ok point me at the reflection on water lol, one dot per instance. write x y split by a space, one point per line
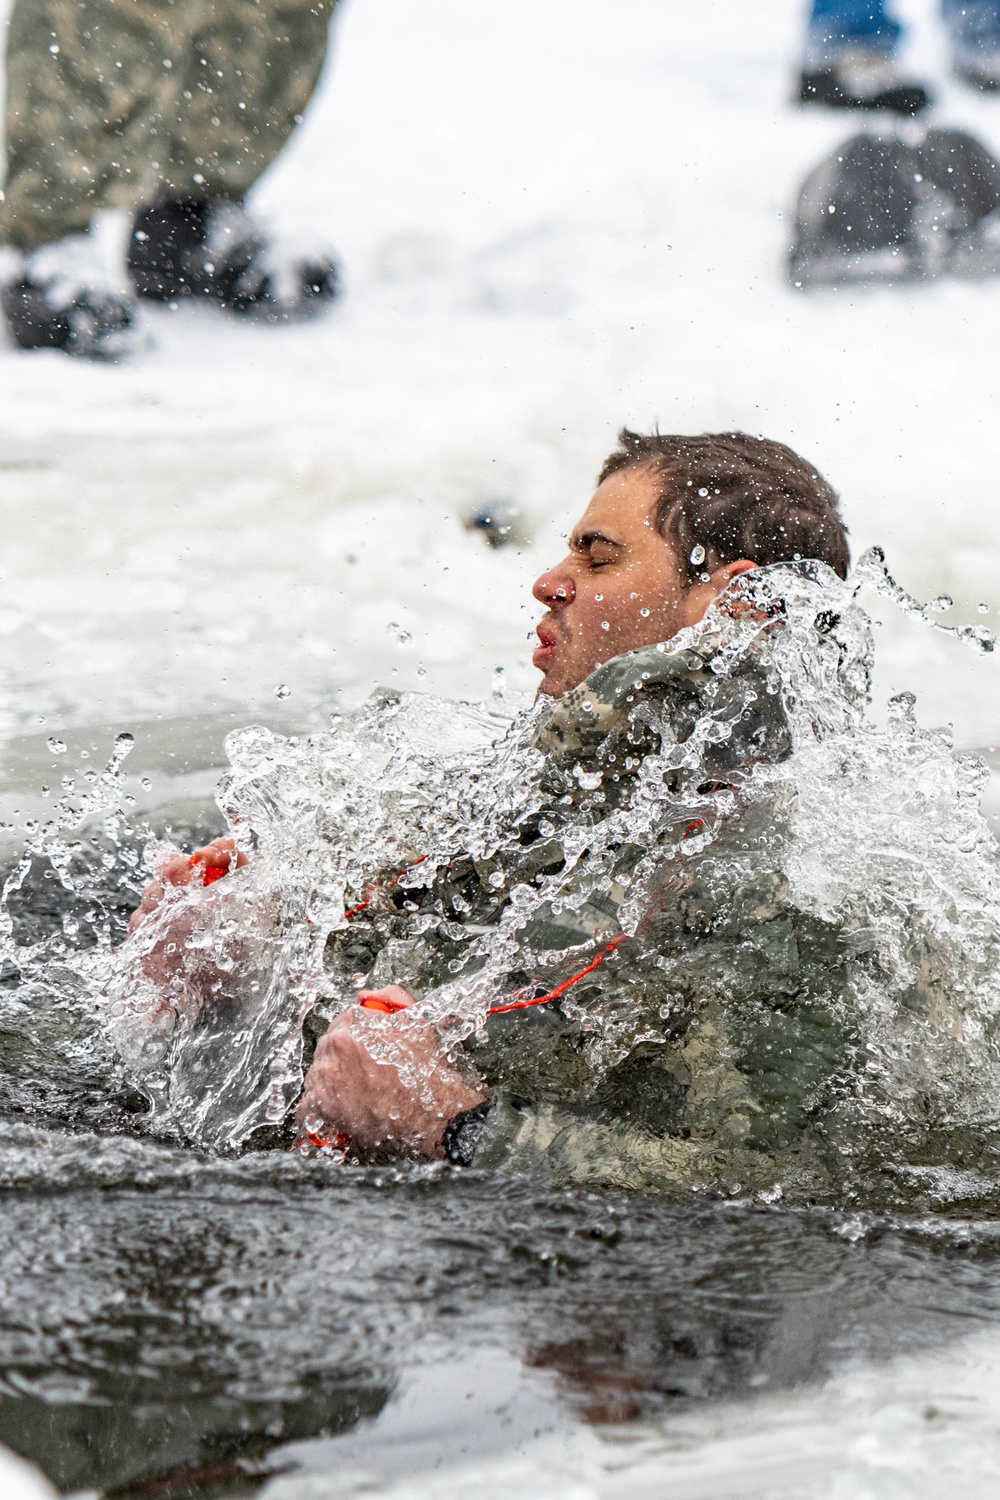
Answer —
162 1310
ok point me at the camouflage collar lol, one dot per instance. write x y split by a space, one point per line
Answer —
582 719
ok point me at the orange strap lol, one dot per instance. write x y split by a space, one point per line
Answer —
336 1141
367 898
560 989
372 1001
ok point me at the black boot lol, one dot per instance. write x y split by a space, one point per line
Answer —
187 249
879 209
862 78
65 297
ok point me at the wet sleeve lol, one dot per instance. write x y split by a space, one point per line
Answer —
564 1147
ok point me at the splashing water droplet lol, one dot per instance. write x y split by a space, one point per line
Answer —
697 553
605 625
644 612
282 690
58 747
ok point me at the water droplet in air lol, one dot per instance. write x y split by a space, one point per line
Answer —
145 783
58 747
940 604
282 690
984 609
403 637
697 553
644 612
605 625
599 598
703 491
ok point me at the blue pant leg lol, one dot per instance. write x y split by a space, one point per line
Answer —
836 25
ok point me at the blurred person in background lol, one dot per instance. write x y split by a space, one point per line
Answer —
851 54
168 111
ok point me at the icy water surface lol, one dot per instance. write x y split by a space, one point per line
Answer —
163 1313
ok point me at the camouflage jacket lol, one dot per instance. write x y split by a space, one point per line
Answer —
710 1048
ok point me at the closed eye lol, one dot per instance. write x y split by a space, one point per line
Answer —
597 550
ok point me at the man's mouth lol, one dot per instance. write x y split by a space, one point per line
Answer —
546 647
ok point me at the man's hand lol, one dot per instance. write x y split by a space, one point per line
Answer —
166 958
384 1080
200 868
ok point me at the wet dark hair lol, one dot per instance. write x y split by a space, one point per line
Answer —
736 496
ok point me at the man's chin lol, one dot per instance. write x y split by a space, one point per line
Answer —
557 684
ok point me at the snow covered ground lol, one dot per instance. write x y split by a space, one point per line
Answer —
555 216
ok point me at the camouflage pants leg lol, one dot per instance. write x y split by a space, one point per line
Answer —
116 103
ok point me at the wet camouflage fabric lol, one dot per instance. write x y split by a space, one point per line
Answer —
117 103
612 707
710 1051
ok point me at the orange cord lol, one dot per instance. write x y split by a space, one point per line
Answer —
560 989
336 1141
372 1001
367 899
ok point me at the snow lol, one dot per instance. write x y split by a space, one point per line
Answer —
22 1481
553 218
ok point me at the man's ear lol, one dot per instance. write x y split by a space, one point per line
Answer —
732 570
724 576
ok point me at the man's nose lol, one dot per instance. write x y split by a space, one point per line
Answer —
554 588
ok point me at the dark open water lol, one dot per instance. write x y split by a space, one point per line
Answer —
166 1317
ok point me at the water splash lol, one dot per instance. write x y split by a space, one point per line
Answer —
871 830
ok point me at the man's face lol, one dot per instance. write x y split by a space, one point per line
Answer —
620 585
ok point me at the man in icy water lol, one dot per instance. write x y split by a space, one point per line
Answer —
721 1026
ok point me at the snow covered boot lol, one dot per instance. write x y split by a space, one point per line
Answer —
974 31
215 250
964 179
863 78
979 66
878 209
854 216
68 295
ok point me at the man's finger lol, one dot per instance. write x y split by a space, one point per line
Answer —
216 859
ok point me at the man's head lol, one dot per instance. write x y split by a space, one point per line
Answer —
673 521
